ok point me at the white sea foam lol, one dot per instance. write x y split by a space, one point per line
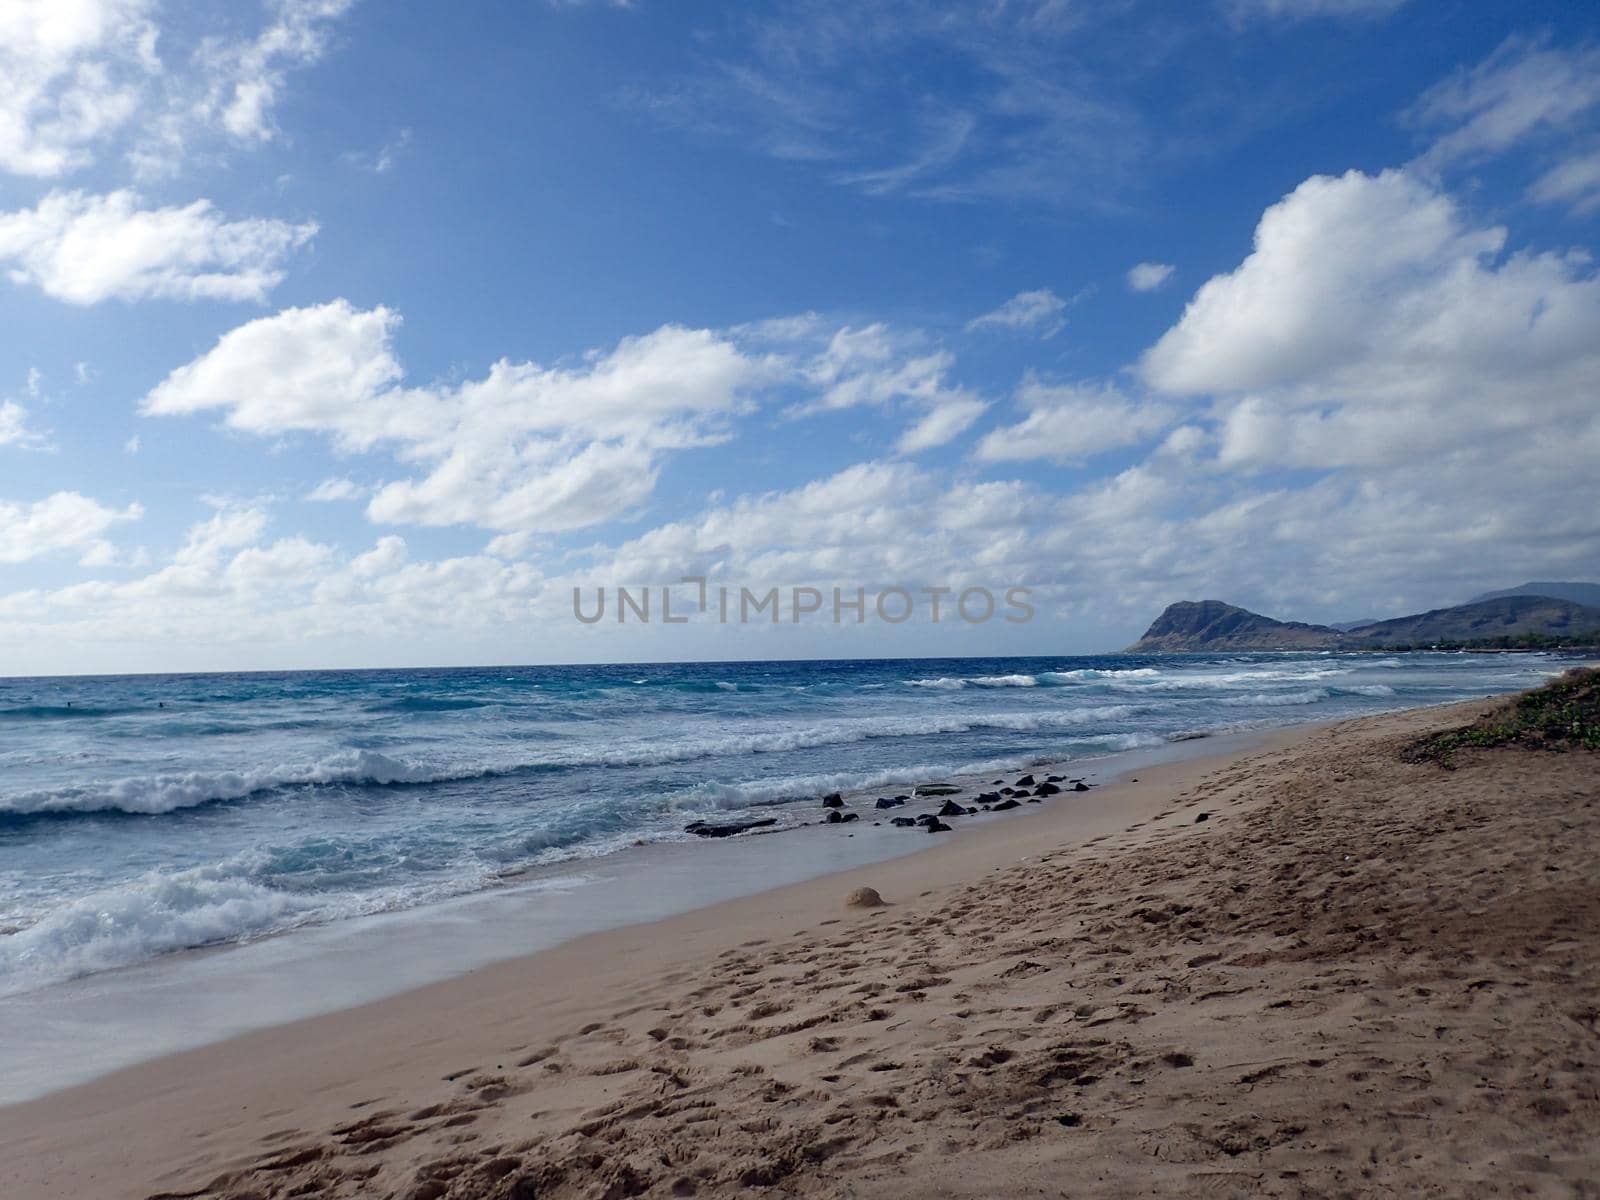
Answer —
948 683
1102 673
169 793
154 914
734 796
1276 699
153 794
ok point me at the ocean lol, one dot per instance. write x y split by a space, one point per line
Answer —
144 815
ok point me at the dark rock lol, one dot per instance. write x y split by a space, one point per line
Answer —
951 809
937 789
835 817
998 782
902 799
1006 805
1025 781
1022 792
1008 791
1046 789
903 822
972 812
1205 816
833 800
706 829
1080 786
849 816
938 827
883 802
1034 800
926 818
988 797
1052 779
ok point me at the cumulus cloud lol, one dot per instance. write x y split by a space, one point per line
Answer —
60 522
1068 423
1148 276
74 74
230 584
15 430
1439 387
1040 310
527 447
1373 322
71 72
85 249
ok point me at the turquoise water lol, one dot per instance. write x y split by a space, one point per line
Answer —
146 814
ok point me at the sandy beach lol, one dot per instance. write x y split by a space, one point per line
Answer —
1309 968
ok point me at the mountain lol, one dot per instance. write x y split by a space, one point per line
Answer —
1578 593
1211 625
1347 626
1505 616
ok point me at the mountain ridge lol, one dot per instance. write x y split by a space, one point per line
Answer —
1577 591
1203 625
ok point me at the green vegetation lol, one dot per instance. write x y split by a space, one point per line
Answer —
1562 714
1513 641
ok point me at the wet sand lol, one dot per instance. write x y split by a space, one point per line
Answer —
1306 968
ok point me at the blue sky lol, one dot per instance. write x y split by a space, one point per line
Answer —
346 333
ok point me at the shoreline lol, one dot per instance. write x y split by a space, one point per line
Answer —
113 1019
572 972
742 1009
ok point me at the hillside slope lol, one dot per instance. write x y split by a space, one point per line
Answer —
1206 626
1508 616
1577 593
1213 625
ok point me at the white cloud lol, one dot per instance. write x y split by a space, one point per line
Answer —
1148 276
945 422
227 584
1524 89
132 445
62 521
1073 422
1304 9
1372 324
85 249
75 74
330 490
1441 388
1349 267
247 78
15 430
1040 310
526 447
71 72
382 160
1575 182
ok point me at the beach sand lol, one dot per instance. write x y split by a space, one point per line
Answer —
1305 969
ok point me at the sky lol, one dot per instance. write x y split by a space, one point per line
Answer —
348 333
